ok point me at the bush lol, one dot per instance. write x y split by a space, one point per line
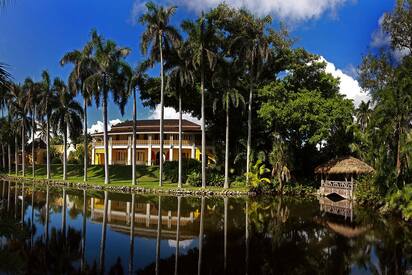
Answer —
171 169
194 179
214 178
367 193
400 201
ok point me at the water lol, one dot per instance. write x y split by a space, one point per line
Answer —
65 231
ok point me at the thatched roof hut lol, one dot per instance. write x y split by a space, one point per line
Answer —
344 165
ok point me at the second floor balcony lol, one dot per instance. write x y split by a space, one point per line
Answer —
146 142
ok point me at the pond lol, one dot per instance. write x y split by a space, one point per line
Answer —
66 231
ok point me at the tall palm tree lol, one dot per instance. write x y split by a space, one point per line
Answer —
182 77
17 107
133 80
159 34
252 45
66 117
32 97
5 76
48 100
202 38
83 68
363 114
223 80
104 79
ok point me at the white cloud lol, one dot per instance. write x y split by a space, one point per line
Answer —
297 10
137 9
170 113
382 39
98 126
182 244
348 85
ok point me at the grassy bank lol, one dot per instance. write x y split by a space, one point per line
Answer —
148 176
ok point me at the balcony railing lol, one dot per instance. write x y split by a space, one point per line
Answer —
146 142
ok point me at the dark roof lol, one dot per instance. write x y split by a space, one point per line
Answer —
153 125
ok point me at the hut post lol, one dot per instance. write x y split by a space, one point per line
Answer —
351 185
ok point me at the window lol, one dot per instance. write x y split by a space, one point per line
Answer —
140 156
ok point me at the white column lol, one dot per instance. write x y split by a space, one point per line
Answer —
193 151
92 207
129 155
127 212
147 214
171 153
149 152
110 150
93 152
109 210
169 219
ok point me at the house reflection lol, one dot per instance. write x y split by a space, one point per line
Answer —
119 217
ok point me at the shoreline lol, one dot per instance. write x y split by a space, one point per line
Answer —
131 189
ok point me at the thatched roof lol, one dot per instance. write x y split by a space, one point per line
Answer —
347 231
344 165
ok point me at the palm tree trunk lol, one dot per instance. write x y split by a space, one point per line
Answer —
65 153
3 155
86 151
202 111
202 214
103 238
132 236
179 181
64 208
23 156
179 201
249 130
225 202
9 157
134 139
105 139
159 233
161 113
398 151
33 130
16 154
82 262
48 147
226 185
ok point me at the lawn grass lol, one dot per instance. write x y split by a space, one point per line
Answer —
120 175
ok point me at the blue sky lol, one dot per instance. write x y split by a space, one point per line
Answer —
36 34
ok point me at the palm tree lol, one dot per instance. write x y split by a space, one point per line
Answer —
159 34
202 37
47 103
31 101
5 76
66 117
363 114
253 46
133 80
230 96
105 78
83 68
182 75
18 109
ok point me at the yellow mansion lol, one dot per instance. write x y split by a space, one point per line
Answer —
148 143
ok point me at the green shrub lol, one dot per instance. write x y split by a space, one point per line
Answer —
214 178
171 169
367 193
400 201
194 179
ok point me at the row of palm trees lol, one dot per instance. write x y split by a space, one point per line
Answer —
99 69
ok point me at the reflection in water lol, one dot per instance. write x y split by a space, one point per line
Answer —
43 230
